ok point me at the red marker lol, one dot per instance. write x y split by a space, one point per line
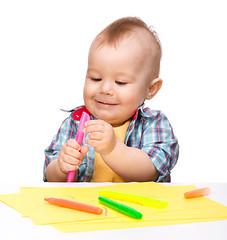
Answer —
200 192
74 205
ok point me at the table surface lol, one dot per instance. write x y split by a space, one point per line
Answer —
13 226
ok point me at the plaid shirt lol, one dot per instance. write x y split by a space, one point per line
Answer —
149 131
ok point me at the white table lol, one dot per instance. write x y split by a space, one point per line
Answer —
13 226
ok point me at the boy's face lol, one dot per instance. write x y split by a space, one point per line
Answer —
117 81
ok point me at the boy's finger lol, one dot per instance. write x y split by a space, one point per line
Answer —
93 143
94 122
70 160
73 144
71 152
93 128
96 136
71 167
84 150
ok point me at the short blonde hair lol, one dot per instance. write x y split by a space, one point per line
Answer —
122 27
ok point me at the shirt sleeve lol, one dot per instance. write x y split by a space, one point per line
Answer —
160 143
65 132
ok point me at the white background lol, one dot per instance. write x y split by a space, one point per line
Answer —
43 60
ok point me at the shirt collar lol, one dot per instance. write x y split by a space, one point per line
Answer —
140 111
78 113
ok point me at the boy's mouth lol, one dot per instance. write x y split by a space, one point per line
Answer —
105 104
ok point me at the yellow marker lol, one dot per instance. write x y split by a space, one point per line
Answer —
145 201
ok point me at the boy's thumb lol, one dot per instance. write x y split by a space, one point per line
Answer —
84 149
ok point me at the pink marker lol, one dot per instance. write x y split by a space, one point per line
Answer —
79 138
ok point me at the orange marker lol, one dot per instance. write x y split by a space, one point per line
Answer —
74 205
200 192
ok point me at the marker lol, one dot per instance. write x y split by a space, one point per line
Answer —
79 138
131 212
200 192
74 205
145 201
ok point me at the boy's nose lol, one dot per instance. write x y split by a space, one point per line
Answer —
106 87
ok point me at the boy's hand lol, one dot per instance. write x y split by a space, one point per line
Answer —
71 155
101 137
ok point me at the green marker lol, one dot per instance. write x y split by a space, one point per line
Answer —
131 212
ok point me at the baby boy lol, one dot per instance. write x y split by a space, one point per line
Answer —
126 141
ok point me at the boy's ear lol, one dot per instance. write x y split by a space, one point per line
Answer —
154 87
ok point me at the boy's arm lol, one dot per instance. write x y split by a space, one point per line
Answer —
132 164
152 162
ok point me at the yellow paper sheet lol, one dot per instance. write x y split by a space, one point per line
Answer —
75 227
30 202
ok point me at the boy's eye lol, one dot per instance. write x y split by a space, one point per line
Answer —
96 79
120 83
